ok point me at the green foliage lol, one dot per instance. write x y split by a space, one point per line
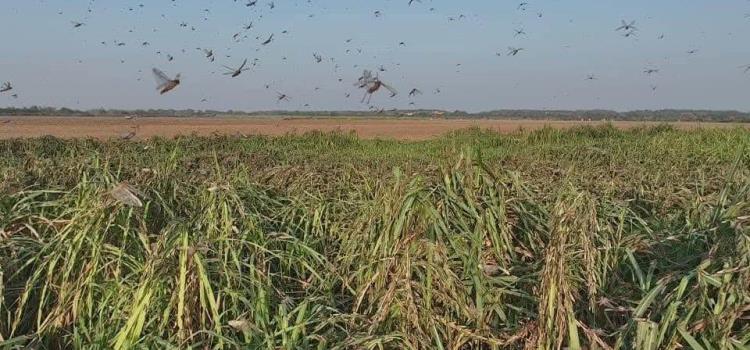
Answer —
591 238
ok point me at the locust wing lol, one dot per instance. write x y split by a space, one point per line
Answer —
365 79
161 79
126 194
389 88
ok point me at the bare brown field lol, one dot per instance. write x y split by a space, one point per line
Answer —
403 129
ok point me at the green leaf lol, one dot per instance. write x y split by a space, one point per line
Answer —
689 339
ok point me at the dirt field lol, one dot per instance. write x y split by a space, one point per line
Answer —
405 129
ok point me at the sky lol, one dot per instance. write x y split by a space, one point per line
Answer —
454 52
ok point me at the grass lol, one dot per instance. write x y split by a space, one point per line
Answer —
591 238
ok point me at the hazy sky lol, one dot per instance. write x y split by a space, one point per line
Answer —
51 63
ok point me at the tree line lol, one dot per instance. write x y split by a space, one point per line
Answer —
574 115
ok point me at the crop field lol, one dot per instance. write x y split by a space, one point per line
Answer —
582 238
391 128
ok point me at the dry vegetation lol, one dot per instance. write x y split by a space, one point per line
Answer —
398 128
592 238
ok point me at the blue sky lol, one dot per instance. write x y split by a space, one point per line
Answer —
53 64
